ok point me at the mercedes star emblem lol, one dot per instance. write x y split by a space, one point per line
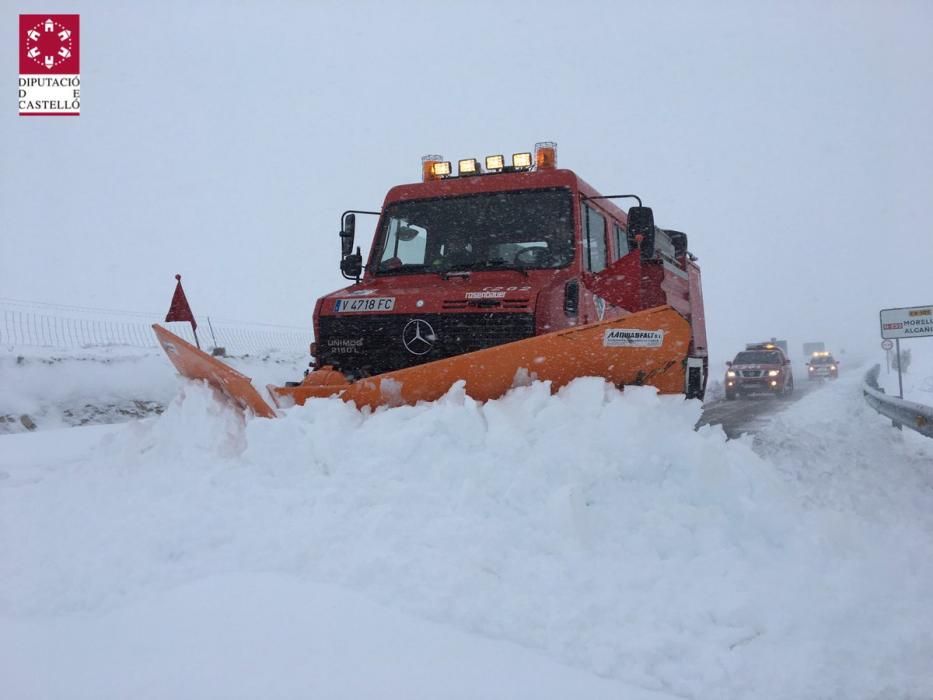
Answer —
418 337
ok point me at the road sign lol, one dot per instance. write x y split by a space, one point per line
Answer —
909 322
886 345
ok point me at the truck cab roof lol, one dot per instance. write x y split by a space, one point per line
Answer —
498 182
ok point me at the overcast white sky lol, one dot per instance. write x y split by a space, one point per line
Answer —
791 140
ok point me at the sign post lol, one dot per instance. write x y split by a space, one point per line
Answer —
886 345
900 380
907 322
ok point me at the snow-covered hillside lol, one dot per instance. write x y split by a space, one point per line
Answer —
333 553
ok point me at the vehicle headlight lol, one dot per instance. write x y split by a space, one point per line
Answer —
730 373
812 369
832 366
773 372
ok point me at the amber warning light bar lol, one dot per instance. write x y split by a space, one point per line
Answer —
434 167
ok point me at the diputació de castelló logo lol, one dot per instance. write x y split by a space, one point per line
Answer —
49 65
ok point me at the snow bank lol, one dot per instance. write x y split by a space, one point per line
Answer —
56 389
593 526
104 384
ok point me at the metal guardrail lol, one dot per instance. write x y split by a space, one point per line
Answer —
915 416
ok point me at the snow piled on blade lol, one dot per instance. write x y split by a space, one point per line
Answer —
594 526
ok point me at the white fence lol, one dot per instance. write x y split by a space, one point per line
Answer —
33 324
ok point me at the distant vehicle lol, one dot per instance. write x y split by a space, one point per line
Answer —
760 368
822 364
810 348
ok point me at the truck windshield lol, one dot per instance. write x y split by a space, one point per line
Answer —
500 230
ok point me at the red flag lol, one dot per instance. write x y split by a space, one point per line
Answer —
180 310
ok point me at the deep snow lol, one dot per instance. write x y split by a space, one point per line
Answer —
264 635
594 528
57 388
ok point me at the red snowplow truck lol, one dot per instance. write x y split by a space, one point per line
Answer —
494 275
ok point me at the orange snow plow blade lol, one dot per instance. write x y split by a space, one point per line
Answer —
649 347
197 364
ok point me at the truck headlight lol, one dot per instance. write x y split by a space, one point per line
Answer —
730 373
773 372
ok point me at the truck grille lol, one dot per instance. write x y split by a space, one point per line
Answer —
368 344
751 372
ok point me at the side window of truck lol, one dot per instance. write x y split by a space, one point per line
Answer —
621 241
594 239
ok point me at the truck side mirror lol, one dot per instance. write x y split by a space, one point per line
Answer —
347 234
640 231
352 265
728 363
